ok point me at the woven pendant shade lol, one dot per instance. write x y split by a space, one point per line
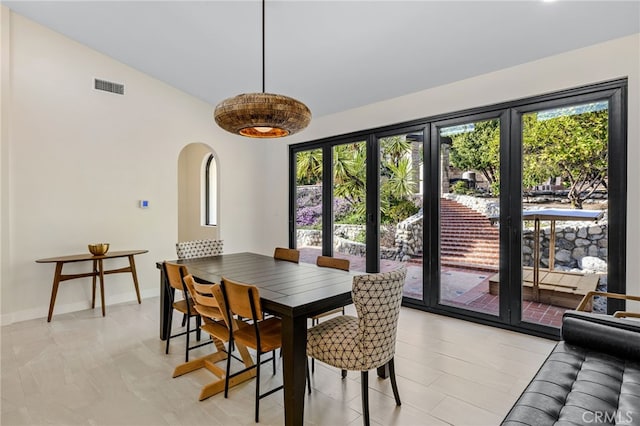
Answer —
262 115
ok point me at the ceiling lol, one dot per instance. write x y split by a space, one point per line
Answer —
332 55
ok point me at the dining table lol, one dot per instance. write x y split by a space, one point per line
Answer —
291 291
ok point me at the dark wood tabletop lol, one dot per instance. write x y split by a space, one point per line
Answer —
289 290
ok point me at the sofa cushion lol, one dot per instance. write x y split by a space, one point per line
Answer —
576 385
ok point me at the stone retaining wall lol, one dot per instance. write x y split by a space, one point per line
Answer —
574 240
573 243
408 239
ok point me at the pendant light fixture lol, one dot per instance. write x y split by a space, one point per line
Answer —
262 115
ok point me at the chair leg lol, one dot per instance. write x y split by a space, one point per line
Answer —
198 330
314 321
184 319
226 376
257 385
166 351
394 385
308 377
273 358
186 346
365 397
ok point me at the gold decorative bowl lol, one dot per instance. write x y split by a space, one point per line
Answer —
98 249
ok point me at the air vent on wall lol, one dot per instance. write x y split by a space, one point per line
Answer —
109 86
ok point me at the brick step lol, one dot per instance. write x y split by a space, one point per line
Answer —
454 223
478 218
479 239
468 227
464 234
470 259
467 235
479 244
467 238
470 251
472 245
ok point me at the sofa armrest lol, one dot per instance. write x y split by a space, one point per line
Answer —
615 336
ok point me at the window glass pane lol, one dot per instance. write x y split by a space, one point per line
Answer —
349 203
211 189
564 199
309 204
401 218
469 212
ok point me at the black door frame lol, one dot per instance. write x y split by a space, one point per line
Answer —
614 91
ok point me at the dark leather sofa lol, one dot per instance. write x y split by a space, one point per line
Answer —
592 377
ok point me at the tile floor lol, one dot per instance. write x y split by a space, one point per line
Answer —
83 369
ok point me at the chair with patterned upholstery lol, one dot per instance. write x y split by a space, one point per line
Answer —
198 248
335 263
368 341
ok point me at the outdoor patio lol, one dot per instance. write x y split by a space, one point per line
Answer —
468 289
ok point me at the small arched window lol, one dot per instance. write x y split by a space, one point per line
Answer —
211 191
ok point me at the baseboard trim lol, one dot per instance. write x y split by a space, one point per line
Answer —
41 312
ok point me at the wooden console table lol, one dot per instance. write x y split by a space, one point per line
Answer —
97 271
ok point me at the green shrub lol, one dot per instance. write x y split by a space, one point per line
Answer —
460 187
399 211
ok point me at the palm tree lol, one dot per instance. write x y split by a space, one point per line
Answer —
309 167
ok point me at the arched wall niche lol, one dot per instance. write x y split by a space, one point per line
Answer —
192 163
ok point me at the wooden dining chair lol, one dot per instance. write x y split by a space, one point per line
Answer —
206 304
174 282
290 255
335 263
198 248
260 334
368 341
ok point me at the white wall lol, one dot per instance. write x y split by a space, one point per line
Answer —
75 162
5 95
601 62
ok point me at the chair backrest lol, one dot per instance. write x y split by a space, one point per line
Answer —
206 304
290 255
218 294
201 295
377 298
333 262
242 299
175 273
198 248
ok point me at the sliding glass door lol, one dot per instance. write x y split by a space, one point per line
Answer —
507 214
565 206
308 203
400 193
349 203
468 195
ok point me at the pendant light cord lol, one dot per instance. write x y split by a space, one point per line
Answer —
263 46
